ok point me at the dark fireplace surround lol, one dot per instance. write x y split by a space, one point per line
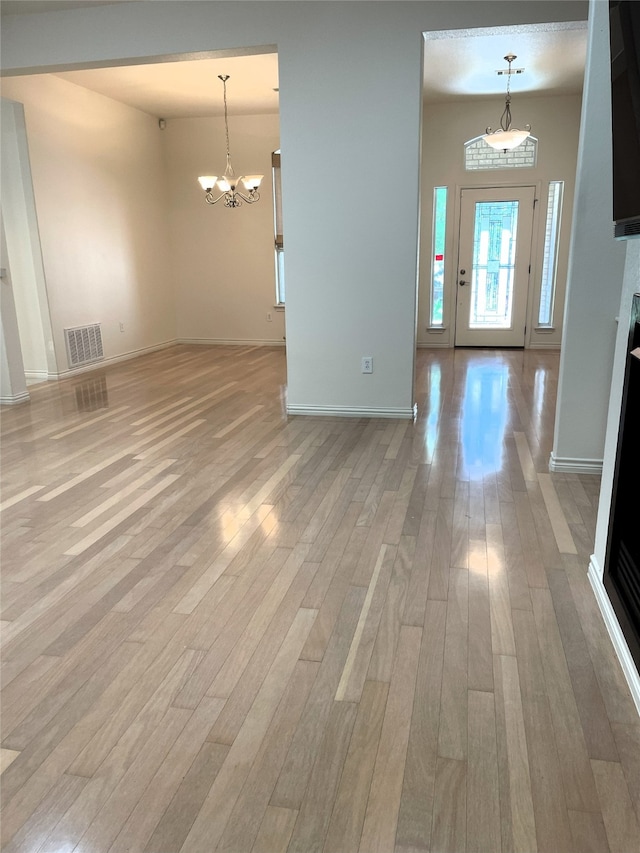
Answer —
622 563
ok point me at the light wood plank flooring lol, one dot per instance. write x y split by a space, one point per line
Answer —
229 630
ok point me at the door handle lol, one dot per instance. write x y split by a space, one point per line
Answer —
462 282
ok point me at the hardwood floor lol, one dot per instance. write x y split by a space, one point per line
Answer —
229 630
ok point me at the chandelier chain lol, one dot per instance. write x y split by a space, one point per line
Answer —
224 78
506 137
506 115
226 118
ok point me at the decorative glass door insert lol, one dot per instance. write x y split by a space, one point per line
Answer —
492 269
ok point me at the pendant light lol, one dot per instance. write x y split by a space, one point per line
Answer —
228 183
505 138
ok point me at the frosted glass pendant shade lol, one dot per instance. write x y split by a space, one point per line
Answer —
224 185
252 182
506 140
207 182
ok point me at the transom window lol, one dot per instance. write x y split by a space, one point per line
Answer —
478 155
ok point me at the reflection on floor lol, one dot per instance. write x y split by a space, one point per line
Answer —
226 629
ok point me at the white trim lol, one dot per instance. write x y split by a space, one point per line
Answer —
613 627
97 365
15 399
230 342
433 345
540 345
36 375
574 465
42 376
353 411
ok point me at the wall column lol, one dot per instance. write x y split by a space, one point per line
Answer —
13 387
596 267
23 246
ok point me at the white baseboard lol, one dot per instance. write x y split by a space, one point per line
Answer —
33 376
574 465
353 411
42 376
15 399
617 637
97 365
231 342
448 345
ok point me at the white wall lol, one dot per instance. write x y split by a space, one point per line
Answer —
596 266
101 200
555 123
350 112
223 260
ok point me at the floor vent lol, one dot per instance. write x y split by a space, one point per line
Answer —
84 344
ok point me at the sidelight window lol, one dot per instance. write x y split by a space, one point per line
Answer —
550 257
437 257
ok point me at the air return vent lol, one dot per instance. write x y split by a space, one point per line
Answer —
84 344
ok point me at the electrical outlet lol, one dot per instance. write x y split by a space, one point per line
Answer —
367 364
122 327
269 317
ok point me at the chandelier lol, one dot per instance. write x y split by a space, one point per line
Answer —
228 183
506 137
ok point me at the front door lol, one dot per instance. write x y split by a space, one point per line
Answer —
496 227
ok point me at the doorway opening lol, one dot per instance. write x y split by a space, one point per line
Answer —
462 94
126 238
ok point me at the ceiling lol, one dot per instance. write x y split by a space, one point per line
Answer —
30 7
463 63
189 89
459 64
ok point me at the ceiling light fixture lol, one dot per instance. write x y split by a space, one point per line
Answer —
228 183
505 137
